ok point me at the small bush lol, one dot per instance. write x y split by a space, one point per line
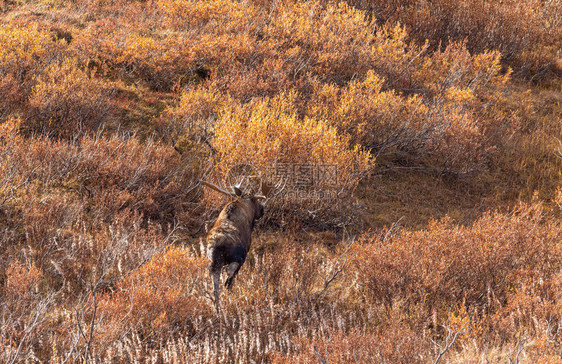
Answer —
88 198
287 47
26 52
444 129
161 298
67 103
194 116
24 309
113 173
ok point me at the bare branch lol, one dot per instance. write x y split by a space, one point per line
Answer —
318 354
449 341
395 226
37 319
337 268
520 349
92 322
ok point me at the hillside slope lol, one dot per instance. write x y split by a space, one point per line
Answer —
419 146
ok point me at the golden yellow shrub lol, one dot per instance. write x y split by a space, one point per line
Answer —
524 32
374 118
194 116
26 51
66 102
454 66
197 13
441 133
268 132
234 42
24 47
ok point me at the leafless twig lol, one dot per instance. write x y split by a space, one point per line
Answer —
449 341
520 349
319 356
337 268
395 226
323 360
38 318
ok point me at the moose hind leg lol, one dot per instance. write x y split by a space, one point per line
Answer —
216 286
232 271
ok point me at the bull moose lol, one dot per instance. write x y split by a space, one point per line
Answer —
229 239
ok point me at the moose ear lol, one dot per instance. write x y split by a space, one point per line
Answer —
237 191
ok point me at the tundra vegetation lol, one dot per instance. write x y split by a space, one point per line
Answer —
441 237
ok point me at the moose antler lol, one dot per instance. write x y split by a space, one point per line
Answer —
236 189
218 189
245 178
267 190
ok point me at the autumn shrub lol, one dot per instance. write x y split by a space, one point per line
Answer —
454 66
273 51
422 109
441 126
280 290
334 42
558 198
88 198
374 118
163 297
159 62
148 176
305 43
526 33
75 211
193 118
441 134
419 108
66 102
79 258
469 121
485 266
268 133
111 112
113 173
26 52
24 308
198 39
188 14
